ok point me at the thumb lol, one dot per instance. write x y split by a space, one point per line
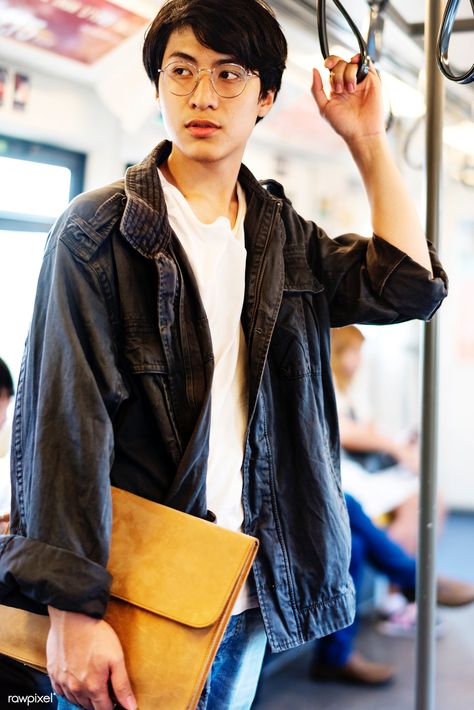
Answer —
121 685
318 92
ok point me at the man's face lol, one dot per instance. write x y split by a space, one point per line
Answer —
4 402
204 126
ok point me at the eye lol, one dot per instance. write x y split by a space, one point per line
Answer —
231 74
180 71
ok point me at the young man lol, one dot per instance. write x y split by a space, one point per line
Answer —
180 349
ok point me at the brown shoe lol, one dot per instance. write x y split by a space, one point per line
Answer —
357 669
450 592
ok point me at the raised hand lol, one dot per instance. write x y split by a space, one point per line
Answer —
354 111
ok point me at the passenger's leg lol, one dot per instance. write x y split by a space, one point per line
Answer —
384 554
404 527
335 658
335 649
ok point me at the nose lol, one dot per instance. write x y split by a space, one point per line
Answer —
204 95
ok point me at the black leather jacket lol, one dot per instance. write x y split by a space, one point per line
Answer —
115 386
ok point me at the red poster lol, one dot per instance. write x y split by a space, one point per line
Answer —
84 30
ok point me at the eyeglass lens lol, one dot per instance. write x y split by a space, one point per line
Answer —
228 80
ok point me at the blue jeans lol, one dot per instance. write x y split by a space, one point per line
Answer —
369 544
234 675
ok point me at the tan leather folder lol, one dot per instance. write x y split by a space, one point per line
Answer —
175 581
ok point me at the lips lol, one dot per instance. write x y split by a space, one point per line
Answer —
201 123
202 128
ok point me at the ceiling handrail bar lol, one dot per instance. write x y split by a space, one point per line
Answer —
376 27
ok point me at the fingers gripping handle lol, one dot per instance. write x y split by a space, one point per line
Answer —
323 37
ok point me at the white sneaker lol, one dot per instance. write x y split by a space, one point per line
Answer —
403 623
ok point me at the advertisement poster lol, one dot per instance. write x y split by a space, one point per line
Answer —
83 30
21 91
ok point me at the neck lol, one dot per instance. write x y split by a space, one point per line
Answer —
209 187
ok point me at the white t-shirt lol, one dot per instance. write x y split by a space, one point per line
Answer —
217 256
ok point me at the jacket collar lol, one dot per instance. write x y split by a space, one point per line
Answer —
145 221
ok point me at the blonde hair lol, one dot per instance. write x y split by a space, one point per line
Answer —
341 340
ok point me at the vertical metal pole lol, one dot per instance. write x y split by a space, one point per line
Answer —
426 576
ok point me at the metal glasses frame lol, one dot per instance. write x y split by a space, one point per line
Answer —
211 70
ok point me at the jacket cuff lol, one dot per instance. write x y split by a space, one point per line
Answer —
73 583
400 280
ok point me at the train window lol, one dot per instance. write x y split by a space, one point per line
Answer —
33 190
20 261
37 183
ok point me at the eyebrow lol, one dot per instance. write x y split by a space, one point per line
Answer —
190 58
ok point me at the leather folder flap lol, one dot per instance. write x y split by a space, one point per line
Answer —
174 564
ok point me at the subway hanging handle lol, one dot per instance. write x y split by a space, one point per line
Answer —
444 38
323 37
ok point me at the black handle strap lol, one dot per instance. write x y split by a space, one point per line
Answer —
444 39
323 37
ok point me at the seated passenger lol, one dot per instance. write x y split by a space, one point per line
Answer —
366 450
335 658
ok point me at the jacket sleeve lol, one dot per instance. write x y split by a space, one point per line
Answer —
68 392
371 281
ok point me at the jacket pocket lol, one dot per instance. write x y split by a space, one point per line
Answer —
149 373
295 347
143 349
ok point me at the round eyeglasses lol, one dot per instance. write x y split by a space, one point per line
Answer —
228 80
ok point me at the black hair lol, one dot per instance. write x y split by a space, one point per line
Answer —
247 30
6 381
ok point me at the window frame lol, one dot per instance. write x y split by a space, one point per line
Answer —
34 151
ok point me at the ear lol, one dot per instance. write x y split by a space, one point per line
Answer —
265 103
